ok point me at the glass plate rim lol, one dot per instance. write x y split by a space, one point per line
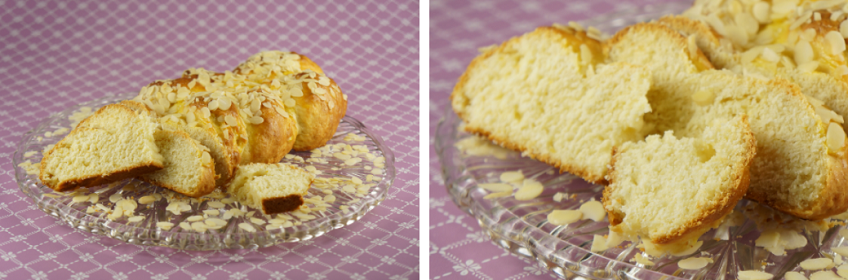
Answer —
333 221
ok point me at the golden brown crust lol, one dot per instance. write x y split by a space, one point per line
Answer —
615 215
707 39
286 203
271 140
833 197
282 204
700 61
709 216
318 116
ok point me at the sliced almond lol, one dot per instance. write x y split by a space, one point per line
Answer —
564 217
530 190
835 137
794 275
694 263
817 264
599 243
639 258
496 187
512 176
754 275
824 275
593 210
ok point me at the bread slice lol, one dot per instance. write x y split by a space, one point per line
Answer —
544 94
113 144
794 170
652 180
273 188
189 169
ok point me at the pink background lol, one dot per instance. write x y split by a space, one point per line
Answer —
458 247
54 54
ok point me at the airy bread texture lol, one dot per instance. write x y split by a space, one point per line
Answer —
113 144
652 180
793 171
274 188
543 93
189 169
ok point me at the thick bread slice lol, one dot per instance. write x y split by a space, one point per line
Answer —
793 171
652 180
113 144
274 188
189 169
541 94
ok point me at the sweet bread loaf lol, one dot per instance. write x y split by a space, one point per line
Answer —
273 188
651 180
799 164
208 123
268 106
545 94
113 144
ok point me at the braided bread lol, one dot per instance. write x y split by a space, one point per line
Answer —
267 106
270 104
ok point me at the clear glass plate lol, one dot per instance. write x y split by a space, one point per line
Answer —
521 227
232 235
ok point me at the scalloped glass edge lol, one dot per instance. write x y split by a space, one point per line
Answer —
519 236
195 240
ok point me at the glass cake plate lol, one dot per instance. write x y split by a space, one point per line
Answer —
522 228
244 227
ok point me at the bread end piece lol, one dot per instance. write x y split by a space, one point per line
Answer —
89 155
546 95
273 188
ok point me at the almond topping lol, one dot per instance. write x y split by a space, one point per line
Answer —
817 264
835 137
564 217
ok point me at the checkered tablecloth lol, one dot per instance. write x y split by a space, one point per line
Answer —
57 53
458 247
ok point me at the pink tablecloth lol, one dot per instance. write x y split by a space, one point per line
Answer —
56 53
458 248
